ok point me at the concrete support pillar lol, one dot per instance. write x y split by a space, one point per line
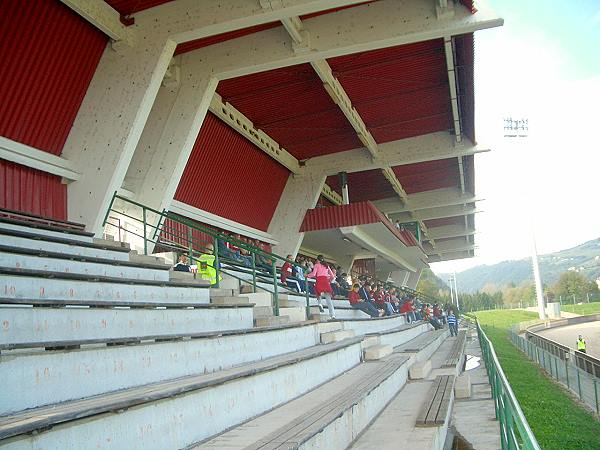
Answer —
413 279
169 137
399 277
300 194
109 124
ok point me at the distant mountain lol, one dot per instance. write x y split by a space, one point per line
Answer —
584 258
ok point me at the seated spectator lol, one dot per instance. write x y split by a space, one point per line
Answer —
408 309
242 254
344 287
287 275
358 303
206 265
263 260
182 265
382 304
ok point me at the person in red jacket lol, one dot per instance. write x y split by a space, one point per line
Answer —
286 274
358 303
381 303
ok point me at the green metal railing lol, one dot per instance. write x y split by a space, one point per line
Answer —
174 232
514 429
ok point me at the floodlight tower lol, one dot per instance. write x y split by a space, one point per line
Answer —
518 129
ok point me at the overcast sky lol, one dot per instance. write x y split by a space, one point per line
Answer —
543 64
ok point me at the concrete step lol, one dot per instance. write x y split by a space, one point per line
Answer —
134 256
336 336
187 277
296 314
370 341
70 247
366 324
327 327
320 317
33 287
14 260
262 311
329 417
403 333
270 321
376 352
420 370
259 298
45 232
229 300
168 412
39 326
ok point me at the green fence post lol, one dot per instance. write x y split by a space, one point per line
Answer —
556 368
217 265
253 272
275 290
307 298
567 371
145 240
596 395
579 383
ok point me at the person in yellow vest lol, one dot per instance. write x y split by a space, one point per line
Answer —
581 344
206 265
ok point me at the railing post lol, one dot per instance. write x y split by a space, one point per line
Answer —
567 370
112 201
579 383
308 315
145 235
253 271
275 290
556 368
596 396
217 265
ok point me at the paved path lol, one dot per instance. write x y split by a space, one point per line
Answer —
563 314
568 336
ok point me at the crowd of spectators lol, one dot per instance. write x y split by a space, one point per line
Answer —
327 282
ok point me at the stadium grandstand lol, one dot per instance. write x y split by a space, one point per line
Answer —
177 179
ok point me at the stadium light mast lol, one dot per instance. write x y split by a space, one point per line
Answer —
456 291
519 129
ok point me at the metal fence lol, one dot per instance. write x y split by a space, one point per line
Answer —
562 364
514 429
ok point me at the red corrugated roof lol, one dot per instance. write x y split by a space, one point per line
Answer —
362 213
399 91
49 55
218 179
292 107
464 55
458 220
426 176
364 186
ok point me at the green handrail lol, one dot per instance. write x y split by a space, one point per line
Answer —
151 233
515 432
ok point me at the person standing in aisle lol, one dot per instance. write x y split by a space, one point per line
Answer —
581 346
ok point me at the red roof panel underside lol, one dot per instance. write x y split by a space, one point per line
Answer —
400 91
426 176
292 106
458 220
363 186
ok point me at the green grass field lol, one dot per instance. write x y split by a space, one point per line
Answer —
557 421
586 308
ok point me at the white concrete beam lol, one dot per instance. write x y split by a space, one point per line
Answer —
451 256
37 159
381 24
101 15
437 213
449 246
448 231
429 147
426 199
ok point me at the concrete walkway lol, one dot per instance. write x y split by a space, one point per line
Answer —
474 419
568 335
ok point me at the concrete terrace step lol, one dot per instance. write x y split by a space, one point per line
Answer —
336 336
169 411
39 284
403 334
366 324
330 416
49 321
70 374
24 259
72 230
29 240
268 321
424 345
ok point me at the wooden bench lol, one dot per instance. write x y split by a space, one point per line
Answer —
421 342
456 353
437 403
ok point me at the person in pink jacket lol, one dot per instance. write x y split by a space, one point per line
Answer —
324 276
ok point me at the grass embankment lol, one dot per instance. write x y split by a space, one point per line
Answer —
585 308
557 421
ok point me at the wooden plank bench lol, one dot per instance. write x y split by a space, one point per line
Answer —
420 342
456 353
437 403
